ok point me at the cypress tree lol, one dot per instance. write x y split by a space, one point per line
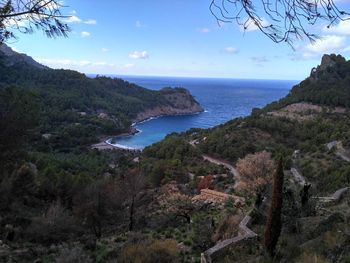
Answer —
274 221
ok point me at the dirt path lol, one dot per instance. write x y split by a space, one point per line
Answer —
219 162
223 163
103 146
298 177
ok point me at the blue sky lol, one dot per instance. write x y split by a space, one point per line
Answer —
175 38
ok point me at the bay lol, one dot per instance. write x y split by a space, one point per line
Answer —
222 99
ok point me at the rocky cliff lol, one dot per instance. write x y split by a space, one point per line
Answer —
328 61
179 102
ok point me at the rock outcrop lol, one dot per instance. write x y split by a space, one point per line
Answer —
326 62
179 102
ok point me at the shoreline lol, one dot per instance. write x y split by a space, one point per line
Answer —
135 122
105 144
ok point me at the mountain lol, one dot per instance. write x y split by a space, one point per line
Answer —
13 58
310 129
199 196
328 84
106 105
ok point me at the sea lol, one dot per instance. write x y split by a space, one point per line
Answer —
222 99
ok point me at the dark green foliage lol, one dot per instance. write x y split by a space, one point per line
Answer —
98 204
166 160
55 226
18 115
172 159
203 230
274 223
75 109
329 85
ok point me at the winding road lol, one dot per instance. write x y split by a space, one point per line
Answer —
223 163
219 162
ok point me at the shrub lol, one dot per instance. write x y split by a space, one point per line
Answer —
227 228
205 182
75 255
308 257
202 231
160 251
55 226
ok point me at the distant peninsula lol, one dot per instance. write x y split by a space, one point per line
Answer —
77 110
180 102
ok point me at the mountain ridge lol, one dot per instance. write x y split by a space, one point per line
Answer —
13 57
70 93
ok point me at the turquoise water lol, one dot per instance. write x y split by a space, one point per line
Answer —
222 99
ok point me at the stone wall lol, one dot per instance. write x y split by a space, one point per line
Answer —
245 234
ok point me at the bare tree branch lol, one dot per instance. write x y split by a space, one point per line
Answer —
27 15
279 20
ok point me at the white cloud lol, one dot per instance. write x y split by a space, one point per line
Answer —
249 25
138 24
260 60
231 50
327 44
68 63
73 12
73 19
54 4
85 34
104 49
90 22
127 66
342 28
139 55
13 23
203 30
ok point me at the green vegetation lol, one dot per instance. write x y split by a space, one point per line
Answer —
306 220
73 110
173 159
61 200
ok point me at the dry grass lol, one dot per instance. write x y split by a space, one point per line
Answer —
228 228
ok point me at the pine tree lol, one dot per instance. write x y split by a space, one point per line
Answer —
274 222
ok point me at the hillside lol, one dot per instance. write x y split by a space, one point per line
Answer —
310 128
328 84
102 105
308 118
200 196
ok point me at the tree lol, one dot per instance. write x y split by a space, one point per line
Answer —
18 115
26 15
202 231
304 194
178 205
255 172
56 225
274 222
279 20
98 204
134 182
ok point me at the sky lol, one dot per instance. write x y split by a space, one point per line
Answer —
175 38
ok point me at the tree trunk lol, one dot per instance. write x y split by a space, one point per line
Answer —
274 221
131 215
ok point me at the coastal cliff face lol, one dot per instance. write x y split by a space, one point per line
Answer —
179 102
